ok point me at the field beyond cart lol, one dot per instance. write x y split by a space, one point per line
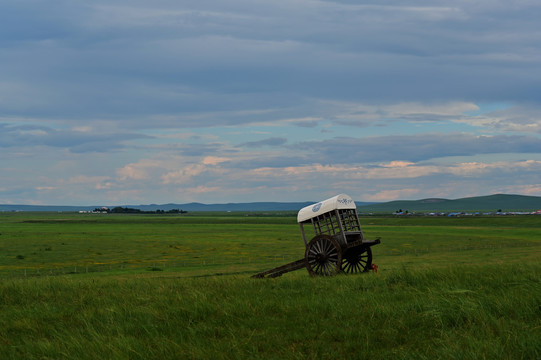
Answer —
170 286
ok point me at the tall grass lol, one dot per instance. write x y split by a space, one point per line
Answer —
466 312
447 288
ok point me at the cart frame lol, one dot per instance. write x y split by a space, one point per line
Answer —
338 245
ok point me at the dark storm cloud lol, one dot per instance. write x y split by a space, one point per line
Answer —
209 149
75 141
128 60
271 162
415 147
275 141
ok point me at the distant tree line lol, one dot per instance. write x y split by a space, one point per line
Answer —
172 211
127 210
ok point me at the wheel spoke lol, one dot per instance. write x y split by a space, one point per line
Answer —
323 246
330 268
329 247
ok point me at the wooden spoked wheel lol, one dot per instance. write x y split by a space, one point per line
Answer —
357 259
323 256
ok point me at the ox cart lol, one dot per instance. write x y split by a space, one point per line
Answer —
338 245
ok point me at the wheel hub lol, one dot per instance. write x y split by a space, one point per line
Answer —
321 258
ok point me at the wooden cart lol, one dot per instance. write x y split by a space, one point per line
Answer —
338 245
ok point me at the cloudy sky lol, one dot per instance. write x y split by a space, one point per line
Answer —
138 102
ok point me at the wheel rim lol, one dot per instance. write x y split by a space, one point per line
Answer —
357 260
323 256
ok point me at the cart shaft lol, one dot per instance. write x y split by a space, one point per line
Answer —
278 271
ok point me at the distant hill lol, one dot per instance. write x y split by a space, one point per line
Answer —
255 206
480 203
51 208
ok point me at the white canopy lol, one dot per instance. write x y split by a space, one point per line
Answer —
341 201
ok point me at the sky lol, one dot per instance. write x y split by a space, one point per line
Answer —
152 102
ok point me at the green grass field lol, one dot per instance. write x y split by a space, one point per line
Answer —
466 288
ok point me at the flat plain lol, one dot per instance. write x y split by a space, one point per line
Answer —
156 286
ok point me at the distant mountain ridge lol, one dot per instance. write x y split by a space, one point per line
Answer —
494 203
479 203
254 206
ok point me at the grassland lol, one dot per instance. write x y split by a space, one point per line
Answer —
446 288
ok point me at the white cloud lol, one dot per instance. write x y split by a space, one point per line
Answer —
521 118
527 189
389 195
186 175
214 160
45 188
397 164
142 170
427 111
183 175
85 180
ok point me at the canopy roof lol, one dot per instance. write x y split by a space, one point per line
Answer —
341 201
